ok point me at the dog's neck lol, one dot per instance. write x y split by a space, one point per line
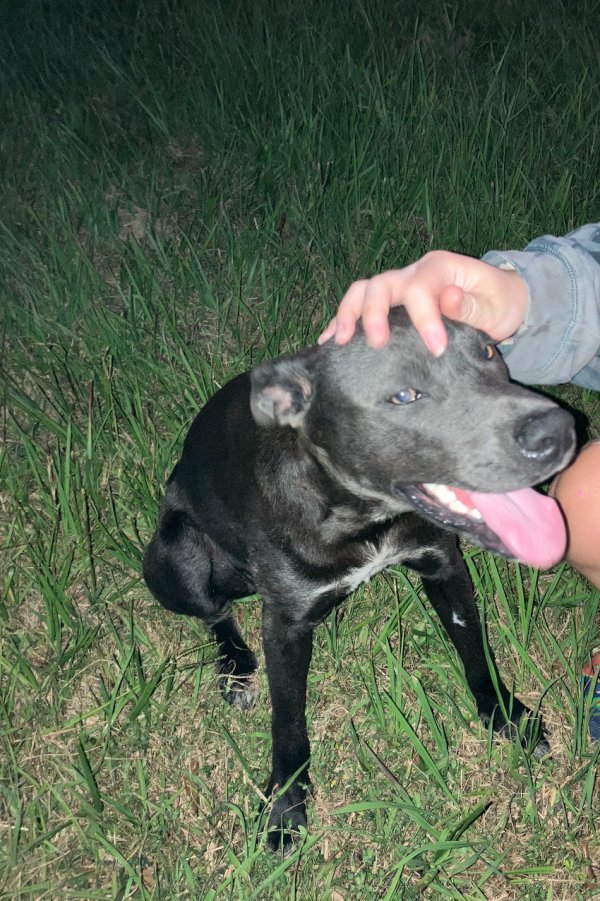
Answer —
363 502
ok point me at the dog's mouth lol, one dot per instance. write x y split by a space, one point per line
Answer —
523 525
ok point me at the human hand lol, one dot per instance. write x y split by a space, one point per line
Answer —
440 283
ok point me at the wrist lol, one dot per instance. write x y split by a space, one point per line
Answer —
515 301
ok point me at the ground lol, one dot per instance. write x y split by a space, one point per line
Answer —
186 190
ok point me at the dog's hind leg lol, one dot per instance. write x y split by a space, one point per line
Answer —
188 573
449 589
236 663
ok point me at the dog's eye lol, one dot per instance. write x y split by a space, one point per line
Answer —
488 352
405 396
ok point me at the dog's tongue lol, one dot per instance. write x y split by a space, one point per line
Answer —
528 523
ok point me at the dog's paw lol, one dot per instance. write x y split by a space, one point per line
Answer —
287 814
239 691
236 678
532 735
541 749
287 817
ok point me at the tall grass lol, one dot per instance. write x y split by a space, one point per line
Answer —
187 188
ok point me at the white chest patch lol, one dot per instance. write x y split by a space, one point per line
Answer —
377 558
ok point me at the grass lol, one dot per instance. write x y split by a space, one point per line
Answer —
186 189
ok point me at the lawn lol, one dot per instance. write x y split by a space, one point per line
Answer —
187 188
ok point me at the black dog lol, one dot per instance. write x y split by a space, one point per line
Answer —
304 477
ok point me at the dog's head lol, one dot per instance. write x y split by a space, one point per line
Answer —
452 437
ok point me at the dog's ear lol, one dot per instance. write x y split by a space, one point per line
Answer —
281 392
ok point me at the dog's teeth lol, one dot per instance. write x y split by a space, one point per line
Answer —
449 499
442 492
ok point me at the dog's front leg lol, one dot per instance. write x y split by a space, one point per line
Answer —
287 652
450 592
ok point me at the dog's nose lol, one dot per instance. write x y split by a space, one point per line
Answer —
542 436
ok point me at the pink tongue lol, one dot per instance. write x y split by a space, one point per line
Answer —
527 522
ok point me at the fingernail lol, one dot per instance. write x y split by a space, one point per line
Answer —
326 334
436 342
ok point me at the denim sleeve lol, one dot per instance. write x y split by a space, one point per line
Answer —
559 340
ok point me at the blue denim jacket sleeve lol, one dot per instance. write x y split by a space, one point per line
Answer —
560 338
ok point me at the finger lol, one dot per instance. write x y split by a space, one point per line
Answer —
349 311
465 307
378 299
452 302
423 309
382 292
328 332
